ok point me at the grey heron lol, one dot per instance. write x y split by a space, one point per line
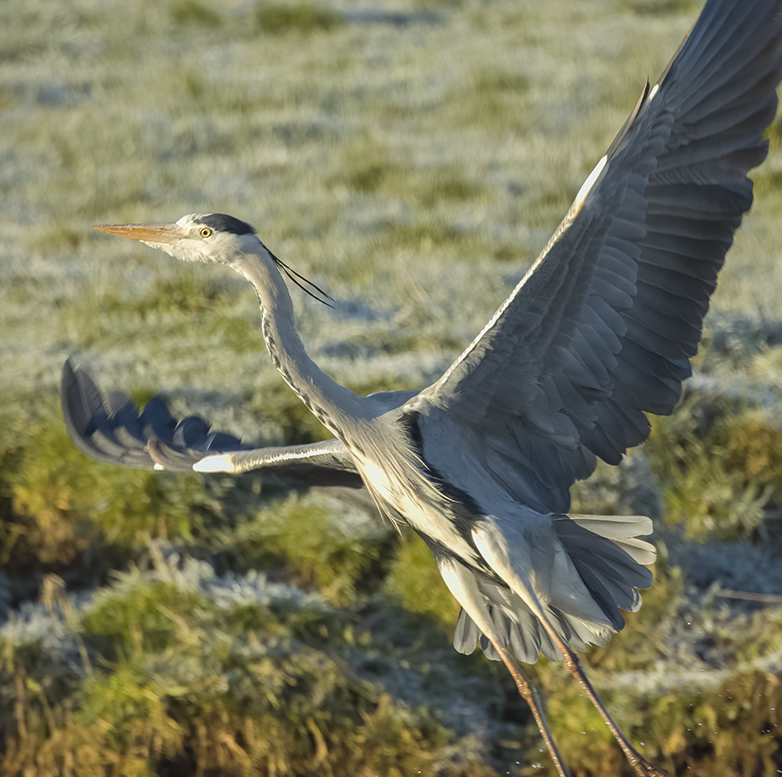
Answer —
598 333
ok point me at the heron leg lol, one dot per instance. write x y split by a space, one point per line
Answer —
462 585
497 555
530 695
639 764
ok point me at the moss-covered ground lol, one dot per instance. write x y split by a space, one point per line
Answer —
411 157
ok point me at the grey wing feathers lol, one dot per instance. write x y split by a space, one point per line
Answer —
111 429
695 198
603 327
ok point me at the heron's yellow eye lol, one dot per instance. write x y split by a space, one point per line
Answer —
204 231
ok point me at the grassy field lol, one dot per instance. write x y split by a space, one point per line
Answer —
412 158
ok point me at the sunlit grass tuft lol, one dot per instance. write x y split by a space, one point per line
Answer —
719 469
414 580
276 18
338 555
193 12
726 730
62 502
196 677
662 7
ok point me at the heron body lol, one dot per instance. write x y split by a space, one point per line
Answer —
411 460
598 333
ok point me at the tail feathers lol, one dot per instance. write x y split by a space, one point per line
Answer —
516 624
465 636
521 631
609 557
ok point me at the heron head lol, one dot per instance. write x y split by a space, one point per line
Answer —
197 237
210 237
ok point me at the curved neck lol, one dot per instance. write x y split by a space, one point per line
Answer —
331 403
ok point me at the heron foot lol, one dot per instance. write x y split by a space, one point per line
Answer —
637 762
644 768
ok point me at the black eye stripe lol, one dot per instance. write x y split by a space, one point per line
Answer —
220 222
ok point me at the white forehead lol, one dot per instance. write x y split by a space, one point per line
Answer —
190 220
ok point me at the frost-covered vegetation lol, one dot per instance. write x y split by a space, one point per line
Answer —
412 157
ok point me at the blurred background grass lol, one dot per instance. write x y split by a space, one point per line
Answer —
412 158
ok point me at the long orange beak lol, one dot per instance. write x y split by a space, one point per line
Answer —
148 233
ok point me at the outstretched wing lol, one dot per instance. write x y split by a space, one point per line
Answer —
111 429
602 328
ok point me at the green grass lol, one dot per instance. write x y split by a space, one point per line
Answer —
414 581
191 12
277 18
62 503
720 468
339 556
195 677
